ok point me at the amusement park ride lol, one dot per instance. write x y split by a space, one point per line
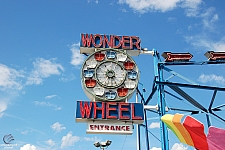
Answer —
110 77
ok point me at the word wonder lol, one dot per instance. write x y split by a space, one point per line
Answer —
110 41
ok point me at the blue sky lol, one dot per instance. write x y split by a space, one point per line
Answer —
40 63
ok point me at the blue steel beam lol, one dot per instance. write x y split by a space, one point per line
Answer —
158 70
188 98
193 63
191 86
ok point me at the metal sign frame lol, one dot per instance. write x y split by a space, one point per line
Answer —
159 88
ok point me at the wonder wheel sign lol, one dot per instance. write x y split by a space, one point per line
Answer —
109 77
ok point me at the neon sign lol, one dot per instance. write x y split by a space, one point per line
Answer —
115 111
171 57
213 56
110 41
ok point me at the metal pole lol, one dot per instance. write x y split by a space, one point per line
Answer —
208 120
138 128
146 131
161 101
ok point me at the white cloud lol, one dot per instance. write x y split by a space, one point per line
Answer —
179 146
50 142
143 6
92 139
28 147
57 127
77 58
172 19
42 69
9 78
50 96
209 18
205 44
211 78
25 132
155 148
69 140
38 103
191 7
3 107
154 125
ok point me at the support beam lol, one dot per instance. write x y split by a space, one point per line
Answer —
188 98
191 86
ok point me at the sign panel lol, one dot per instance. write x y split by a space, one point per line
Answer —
112 128
113 112
212 56
110 41
170 57
90 42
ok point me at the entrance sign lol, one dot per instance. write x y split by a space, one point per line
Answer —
111 111
112 128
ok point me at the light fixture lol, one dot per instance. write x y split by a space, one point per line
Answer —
129 65
90 83
122 91
111 54
97 144
99 56
103 145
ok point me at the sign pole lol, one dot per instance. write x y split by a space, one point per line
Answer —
138 128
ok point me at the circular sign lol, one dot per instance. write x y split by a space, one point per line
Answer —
109 75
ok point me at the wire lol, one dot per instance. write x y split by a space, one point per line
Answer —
154 136
124 142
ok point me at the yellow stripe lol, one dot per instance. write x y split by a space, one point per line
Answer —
168 120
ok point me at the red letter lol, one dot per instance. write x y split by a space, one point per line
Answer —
86 42
123 109
127 128
94 40
137 43
133 115
118 128
126 40
108 109
85 110
106 127
114 42
106 41
123 128
102 127
92 127
99 108
112 127
96 127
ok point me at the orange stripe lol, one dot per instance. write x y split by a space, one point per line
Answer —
167 119
177 122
